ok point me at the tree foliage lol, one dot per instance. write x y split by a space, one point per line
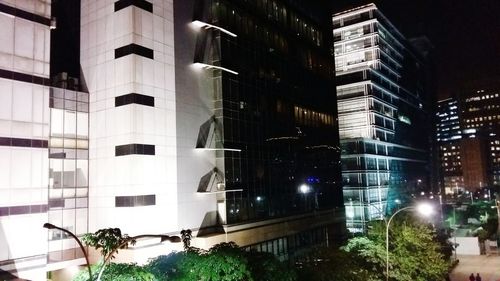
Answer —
415 254
186 236
266 267
106 240
224 262
325 264
118 272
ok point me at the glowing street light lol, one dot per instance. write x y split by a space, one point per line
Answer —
304 188
424 209
51 226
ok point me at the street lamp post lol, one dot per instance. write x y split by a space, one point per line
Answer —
423 208
51 226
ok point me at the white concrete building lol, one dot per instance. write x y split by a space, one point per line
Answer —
144 146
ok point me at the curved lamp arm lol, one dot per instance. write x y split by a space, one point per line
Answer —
51 226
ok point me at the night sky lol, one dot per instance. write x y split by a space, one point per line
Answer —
465 34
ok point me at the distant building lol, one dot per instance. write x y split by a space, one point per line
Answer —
468 136
480 114
448 137
383 115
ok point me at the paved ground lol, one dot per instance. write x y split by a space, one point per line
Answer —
487 266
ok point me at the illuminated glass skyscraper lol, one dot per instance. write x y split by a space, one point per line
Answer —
383 119
448 137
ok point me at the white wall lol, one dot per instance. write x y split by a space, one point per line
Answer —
102 31
24 113
467 245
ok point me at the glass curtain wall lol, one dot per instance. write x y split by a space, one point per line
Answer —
68 171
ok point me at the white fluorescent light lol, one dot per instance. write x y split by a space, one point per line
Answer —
200 24
199 64
220 149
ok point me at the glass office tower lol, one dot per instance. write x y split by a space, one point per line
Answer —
271 122
383 119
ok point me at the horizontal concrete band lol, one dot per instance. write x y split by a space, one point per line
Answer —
23 77
24 14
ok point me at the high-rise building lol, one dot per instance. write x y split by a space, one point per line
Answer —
448 136
480 115
383 115
217 116
255 80
467 133
24 134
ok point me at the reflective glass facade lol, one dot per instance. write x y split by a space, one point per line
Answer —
383 121
68 171
274 107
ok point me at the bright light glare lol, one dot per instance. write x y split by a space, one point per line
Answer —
304 188
425 209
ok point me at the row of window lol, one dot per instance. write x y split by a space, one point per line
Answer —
304 116
135 148
273 11
4 141
135 201
23 210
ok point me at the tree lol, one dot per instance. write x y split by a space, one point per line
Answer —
325 264
414 251
107 240
415 254
224 262
266 267
186 236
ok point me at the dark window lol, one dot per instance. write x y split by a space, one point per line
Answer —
21 210
145 5
134 98
23 142
134 49
134 148
135 201
56 203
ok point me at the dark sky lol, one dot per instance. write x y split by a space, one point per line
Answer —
465 34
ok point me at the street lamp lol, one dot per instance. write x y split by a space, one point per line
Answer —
304 188
51 226
424 209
